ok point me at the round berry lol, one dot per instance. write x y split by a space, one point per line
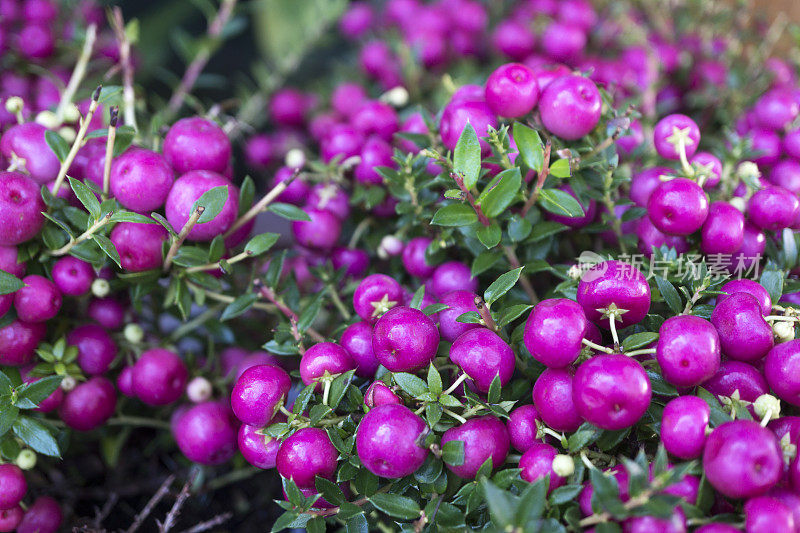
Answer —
329 197
187 190
141 180
773 208
458 114
764 514
139 245
378 393
683 426
376 294
22 206
786 174
458 303
645 182
782 370
96 348
414 259
554 332
197 144
678 207
43 516
620 284
306 454
743 333
159 377
553 399
390 441
672 131
206 433
750 287
405 340
257 449
723 230
12 485
355 261
735 377
27 142
537 463
18 340
512 90
259 392
709 166
776 108
651 238
38 300
482 355
452 276
688 350
72 276
374 153
357 340
570 107
323 361
483 437
89 404
522 428
320 232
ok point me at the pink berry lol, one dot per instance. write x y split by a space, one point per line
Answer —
96 348
43 516
570 107
668 132
678 207
764 514
782 370
683 426
12 485
22 205
750 287
522 427
27 142
187 190
378 393
458 302
89 405
357 340
688 350
259 392
197 144
321 232
324 359
483 355
645 182
553 399
452 276
390 441
773 208
414 259
139 245
206 433
743 333
537 463
554 332
306 454
512 90
405 340
483 437
734 376
141 180
159 377
39 300
18 340
613 282
376 294
259 450
72 276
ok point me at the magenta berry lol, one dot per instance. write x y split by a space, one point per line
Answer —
782 370
512 90
12 486
89 405
329 197
482 355
613 282
197 144
324 360
376 294
342 141
766 145
460 113
206 433
764 514
723 230
645 182
288 107
321 232
376 152
376 118
405 339
678 207
378 393
673 131
107 312
734 376
27 142
773 208
18 340
159 377
554 332
651 238
786 174
537 463
10 518
688 350
522 427
259 450
125 382
743 333
139 245
390 441
72 276
553 399
570 107
646 524
718 528
296 192
709 166
9 263
96 348
357 340
683 426
22 205
457 302
750 287
414 259
306 454
38 300
514 39
776 108
141 180
259 393
355 261
741 459
483 437
187 190
611 391
452 276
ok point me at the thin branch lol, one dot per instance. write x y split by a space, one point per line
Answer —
540 180
112 136
511 255
470 198
262 204
172 516
64 250
208 524
176 242
157 497
62 171
128 95
486 315
78 73
270 295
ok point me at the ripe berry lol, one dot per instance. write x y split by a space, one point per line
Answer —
206 433
27 141
458 114
376 118
306 454
741 459
482 355
683 426
676 523
187 190
10 518
547 72
197 144
159 377
553 399
39 300
678 207
717 528
723 230
357 340
522 427
688 350
329 197
390 441
651 237
141 180
563 41
96 348
89 404
355 261
767 144
776 108
72 276
782 370
708 165
611 391
414 259
374 153
22 205
512 91
18 340
734 376
457 302
743 333
259 392
405 340
537 463
347 98
613 282
376 294
139 245
514 39
554 332
669 132
452 276
378 393
570 107
773 208
12 485
288 107
645 182
321 232
786 174
257 449
324 360
343 141
483 437
750 287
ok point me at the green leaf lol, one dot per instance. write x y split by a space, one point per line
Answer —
467 156
396 506
485 261
310 313
86 197
453 452
560 202
531 502
108 247
772 280
470 317
288 211
560 168
565 494
494 390
509 314
410 383
239 306
606 491
329 490
261 243
489 235
57 144
356 524
36 436
497 200
585 435
130 216
40 389
247 192
213 200
8 415
501 506
545 229
519 228
669 294
434 381
501 285
529 145
434 308
419 294
339 387
9 283
638 340
454 215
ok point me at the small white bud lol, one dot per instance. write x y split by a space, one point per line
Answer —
295 158
739 203
14 104
783 331
101 288
68 383
72 113
396 97
563 465
26 459
199 390
747 169
133 333
767 403
390 246
48 119
68 133
575 272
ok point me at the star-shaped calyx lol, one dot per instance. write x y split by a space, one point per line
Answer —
382 305
680 136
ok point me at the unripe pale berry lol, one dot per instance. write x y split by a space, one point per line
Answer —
26 459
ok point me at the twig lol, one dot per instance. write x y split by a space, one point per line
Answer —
82 237
511 255
208 524
270 295
172 515
176 242
157 497
540 180
138 421
112 135
486 315
214 266
201 59
470 198
102 513
62 172
128 95
228 299
78 73
263 203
